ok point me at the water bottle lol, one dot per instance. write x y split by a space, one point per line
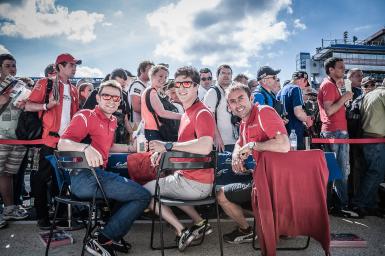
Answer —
140 139
293 140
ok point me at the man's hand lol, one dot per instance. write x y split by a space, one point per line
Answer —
155 158
94 158
157 146
245 151
237 164
309 121
21 104
52 103
347 96
219 143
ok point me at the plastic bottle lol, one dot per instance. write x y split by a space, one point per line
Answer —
293 140
140 139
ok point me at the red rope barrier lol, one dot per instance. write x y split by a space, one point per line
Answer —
347 141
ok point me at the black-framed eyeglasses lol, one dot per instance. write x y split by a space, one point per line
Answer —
115 98
206 78
185 84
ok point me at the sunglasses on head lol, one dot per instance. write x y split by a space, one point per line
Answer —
185 84
206 78
115 98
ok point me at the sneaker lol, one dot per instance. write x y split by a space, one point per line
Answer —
3 222
238 236
203 227
121 246
15 213
185 239
97 249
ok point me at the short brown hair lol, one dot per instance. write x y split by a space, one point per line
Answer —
235 86
110 83
155 69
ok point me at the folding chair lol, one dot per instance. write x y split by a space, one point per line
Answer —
68 161
175 160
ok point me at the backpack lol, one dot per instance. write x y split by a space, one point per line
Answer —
168 128
30 125
235 120
277 105
353 117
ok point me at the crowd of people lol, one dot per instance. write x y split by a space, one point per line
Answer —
241 115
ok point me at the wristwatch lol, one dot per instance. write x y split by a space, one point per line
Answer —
251 145
168 146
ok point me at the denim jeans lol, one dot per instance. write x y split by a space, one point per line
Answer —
342 154
133 198
374 174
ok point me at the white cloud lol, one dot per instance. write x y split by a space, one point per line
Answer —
289 10
216 32
84 71
299 24
106 24
3 49
41 18
118 13
365 27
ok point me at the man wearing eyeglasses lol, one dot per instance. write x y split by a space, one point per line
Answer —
63 103
291 97
195 135
100 125
205 83
263 94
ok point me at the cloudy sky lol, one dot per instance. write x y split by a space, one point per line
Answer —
203 33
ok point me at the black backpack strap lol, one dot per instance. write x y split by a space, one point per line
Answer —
219 97
150 108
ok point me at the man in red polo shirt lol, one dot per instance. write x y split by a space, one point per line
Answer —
261 129
57 108
196 133
99 124
334 125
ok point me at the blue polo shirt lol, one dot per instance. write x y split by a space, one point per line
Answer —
291 96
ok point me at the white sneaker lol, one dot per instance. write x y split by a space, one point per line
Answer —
3 222
15 213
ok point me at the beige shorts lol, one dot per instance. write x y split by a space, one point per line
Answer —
11 157
178 187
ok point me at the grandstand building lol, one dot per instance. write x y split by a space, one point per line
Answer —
368 55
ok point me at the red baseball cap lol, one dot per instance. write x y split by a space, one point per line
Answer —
66 57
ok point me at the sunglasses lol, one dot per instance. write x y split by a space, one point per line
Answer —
273 77
206 78
369 85
185 84
115 98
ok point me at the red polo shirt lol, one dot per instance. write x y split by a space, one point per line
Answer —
197 122
263 124
329 92
52 117
96 124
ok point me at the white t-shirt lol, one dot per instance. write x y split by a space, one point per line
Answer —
136 88
223 116
66 110
201 92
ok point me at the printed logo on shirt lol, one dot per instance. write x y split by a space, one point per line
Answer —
136 90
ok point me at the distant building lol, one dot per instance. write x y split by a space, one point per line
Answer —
368 55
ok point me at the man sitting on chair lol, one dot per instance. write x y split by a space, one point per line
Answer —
99 124
261 130
195 135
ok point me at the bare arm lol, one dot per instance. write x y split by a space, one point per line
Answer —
202 145
280 143
35 107
331 108
159 109
123 148
301 115
136 103
94 158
